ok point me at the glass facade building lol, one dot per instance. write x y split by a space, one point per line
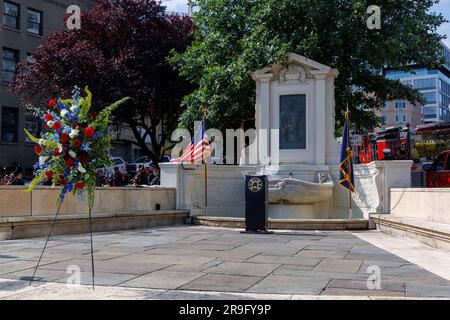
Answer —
434 86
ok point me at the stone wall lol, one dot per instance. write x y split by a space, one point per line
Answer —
226 190
426 204
15 202
31 214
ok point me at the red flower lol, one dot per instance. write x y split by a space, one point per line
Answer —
89 132
62 181
57 125
57 153
94 115
77 143
48 117
37 149
46 127
69 163
49 174
64 137
79 185
52 103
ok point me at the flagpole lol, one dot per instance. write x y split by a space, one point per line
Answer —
205 165
350 207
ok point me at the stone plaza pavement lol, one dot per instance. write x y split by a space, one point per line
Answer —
192 262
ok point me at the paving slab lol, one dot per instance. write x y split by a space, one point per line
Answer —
163 279
415 290
379 257
162 259
363 285
124 267
295 260
221 282
283 284
288 269
338 265
244 268
193 268
356 292
333 247
41 275
320 254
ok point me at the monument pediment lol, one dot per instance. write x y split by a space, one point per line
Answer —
297 70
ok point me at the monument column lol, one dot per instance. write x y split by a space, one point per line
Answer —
320 122
263 117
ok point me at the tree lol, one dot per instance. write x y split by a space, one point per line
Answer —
236 37
121 50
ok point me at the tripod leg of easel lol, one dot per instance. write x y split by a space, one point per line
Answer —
46 242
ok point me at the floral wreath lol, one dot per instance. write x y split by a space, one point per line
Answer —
74 144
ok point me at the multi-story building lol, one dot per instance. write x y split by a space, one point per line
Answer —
401 112
435 88
23 25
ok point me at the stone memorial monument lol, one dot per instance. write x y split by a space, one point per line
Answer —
297 150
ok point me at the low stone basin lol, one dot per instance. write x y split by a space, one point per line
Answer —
294 192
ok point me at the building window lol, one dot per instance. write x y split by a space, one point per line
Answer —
385 105
33 125
425 84
10 58
11 15
400 105
430 97
10 124
34 21
400 118
385 119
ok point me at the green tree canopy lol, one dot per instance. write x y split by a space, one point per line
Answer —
236 37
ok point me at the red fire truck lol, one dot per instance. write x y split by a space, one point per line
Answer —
373 145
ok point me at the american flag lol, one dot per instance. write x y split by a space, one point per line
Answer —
198 150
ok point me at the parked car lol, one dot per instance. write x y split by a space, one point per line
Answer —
117 162
438 173
144 161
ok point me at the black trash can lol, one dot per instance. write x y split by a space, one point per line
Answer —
256 203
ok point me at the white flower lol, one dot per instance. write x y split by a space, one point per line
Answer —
73 107
80 168
72 154
42 160
50 123
41 142
64 112
74 133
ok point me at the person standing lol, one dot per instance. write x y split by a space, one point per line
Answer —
156 180
117 180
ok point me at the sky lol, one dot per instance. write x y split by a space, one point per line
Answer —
443 7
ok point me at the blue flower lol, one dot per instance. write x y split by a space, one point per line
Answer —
61 105
85 147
